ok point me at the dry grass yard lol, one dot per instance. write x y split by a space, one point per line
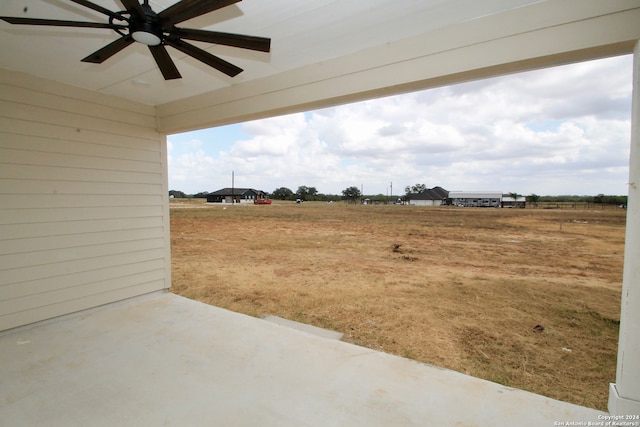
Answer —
460 288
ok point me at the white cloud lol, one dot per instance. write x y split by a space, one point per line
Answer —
558 131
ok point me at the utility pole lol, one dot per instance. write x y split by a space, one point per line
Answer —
233 196
391 189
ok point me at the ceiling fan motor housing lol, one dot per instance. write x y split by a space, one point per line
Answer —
147 31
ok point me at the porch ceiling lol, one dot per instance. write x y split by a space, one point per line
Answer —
302 33
323 52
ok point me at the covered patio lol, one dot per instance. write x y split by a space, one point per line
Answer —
92 335
161 359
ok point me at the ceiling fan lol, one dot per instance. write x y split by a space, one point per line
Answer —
139 23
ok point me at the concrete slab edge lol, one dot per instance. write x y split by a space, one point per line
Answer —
310 329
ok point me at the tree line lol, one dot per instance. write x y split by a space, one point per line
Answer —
353 194
304 193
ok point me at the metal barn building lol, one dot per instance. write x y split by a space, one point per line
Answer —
484 199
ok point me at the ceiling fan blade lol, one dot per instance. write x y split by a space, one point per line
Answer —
134 8
236 40
58 23
99 56
165 63
204 56
97 8
187 9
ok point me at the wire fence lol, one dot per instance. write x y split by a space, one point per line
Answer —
574 205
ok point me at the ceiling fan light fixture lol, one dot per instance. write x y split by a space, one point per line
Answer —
145 33
144 37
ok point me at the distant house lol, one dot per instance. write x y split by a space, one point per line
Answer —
371 201
435 196
510 202
486 199
236 195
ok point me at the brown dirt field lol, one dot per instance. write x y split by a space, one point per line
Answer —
460 288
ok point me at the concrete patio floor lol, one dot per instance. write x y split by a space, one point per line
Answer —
163 360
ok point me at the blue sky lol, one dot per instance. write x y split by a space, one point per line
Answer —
563 130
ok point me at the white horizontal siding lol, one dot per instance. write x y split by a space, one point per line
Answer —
20 275
74 140
83 218
74 161
76 227
29 172
45 214
77 303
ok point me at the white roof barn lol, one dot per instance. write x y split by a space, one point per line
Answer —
84 219
476 198
475 194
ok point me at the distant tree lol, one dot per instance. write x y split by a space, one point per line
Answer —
201 195
326 197
418 188
351 194
282 193
306 193
616 200
380 197
566 198
533 199
610 200
515 196
177 194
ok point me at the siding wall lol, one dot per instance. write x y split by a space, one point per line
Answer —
84 215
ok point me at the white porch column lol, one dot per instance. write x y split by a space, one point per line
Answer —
624 395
